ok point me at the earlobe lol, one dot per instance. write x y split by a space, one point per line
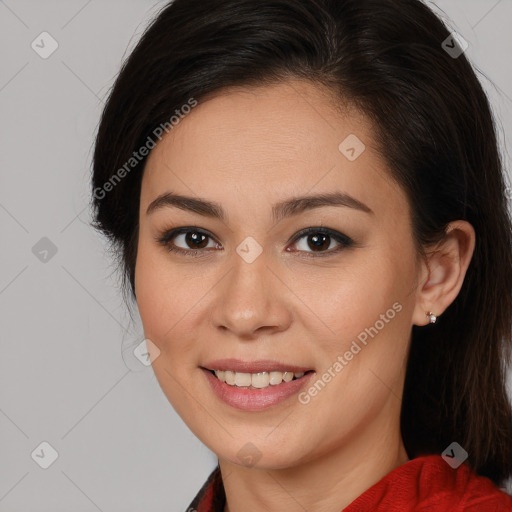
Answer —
444 271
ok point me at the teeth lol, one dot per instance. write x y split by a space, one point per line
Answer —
260 380
242 379
256 380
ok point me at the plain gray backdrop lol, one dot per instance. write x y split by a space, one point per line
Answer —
68 376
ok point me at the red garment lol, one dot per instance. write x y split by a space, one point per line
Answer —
424 484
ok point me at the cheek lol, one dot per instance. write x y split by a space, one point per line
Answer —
367 310
171 300
349 298
161 293
165 301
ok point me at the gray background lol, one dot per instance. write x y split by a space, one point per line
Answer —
67 372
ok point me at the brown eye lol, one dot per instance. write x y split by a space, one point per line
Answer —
195 240
190 241
320 240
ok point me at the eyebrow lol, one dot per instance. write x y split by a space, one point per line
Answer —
287 208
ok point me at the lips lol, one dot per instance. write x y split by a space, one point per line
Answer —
254 398
255 385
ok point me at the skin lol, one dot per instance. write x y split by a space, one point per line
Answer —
248 148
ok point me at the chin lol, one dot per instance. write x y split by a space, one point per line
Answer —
261 454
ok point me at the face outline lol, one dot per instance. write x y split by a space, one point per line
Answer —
247 149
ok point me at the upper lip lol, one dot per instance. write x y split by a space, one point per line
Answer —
262 365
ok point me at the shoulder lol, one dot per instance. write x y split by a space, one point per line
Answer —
429 484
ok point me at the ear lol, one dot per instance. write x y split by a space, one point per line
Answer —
442 272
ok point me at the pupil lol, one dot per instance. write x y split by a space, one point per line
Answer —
317 243
193 237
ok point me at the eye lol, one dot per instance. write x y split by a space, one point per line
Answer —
191 241
319 239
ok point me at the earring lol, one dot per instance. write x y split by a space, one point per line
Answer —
432 317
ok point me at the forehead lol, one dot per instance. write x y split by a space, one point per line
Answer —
268 143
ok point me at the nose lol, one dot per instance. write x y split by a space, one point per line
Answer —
251 300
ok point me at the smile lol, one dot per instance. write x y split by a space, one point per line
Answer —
255 385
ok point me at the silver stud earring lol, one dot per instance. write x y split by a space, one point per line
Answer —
432 317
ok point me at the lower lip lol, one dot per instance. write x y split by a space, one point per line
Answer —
255 399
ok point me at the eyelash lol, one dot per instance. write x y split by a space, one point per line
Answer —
342 239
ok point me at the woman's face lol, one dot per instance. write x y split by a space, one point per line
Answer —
255 296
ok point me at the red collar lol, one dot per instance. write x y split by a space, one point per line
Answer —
426 484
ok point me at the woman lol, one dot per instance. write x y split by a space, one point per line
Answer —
308 203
